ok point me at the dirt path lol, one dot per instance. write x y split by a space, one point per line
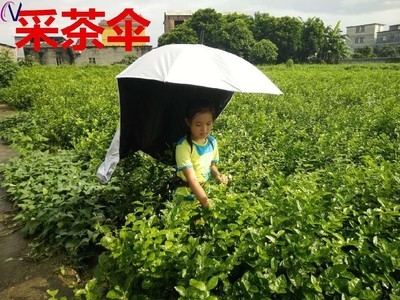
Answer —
22 278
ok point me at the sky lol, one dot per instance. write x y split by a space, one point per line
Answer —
348 12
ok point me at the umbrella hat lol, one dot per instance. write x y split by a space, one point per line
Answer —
155 90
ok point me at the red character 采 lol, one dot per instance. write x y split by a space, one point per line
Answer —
37 33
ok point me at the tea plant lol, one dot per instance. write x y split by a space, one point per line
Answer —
312 210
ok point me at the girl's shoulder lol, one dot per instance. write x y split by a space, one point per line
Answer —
212 139
182 140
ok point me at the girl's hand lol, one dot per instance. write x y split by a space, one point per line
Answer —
209 204
223 179
206 202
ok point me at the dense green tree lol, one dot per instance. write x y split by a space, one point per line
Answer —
313 36
263 52
8 68
385 51
284 32
206 24
287 38
238 33
334 46
237 38
249 20
264 26
181 34
28 61
364 52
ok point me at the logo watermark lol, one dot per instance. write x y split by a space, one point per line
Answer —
10 9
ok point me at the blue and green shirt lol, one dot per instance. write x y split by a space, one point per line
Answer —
199 157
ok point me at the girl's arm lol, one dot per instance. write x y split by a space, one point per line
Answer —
217 175
195 186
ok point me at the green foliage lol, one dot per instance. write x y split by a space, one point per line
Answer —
303 41
364 52
8 68
128 59
80 113
313 37
59 200
334 46
28 61
263 52
206 23
237 38
289 63
182 34
312 210
386 51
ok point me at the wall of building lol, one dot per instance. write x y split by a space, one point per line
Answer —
390 37
59 56
108 55
363 35
173 18
50 56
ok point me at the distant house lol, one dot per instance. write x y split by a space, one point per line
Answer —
9 49
372 35
47 55
389 37
108 54
175 18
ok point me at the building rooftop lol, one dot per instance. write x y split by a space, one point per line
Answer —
103 23
6 45
178 13
380 24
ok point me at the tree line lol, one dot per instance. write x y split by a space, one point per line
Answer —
377 51
262 38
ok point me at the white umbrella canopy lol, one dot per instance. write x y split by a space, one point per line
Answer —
200 65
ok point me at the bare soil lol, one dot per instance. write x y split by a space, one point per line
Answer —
21 277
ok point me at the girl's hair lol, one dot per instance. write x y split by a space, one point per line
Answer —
193 109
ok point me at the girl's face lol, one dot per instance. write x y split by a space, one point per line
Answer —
200 126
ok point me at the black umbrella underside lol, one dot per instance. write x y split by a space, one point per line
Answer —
152 113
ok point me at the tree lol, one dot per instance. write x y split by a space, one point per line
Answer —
287 37
364 52
263 52
313 36
206 24
8 68
230 18
264 26
386 51
334 46
284 32
28 61
237 38
128 59
181 34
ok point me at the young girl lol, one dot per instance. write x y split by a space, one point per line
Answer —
197 154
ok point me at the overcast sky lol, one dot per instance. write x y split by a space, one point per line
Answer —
348 12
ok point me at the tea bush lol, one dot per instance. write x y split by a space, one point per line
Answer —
312 210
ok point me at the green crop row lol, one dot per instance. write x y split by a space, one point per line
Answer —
312 210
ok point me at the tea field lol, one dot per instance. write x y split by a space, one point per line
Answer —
312 210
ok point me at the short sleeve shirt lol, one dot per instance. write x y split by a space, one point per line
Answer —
199 157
